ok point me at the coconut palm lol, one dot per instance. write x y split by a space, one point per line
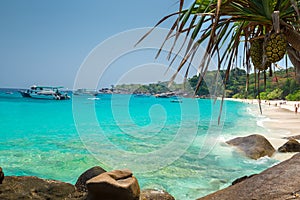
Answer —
263 30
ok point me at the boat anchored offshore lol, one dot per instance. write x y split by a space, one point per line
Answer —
45 92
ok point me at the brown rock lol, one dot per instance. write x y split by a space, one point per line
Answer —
277 183
87 175
150 194
254 146
291 146
114 185
29 187
1 175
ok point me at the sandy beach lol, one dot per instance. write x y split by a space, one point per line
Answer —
280 120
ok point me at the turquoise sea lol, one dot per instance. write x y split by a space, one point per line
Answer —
178 147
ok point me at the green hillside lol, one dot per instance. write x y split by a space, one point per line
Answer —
281 85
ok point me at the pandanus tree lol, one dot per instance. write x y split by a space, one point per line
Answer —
260 31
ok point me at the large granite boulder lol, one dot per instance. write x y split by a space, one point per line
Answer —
29 187
276 183
150 194
290 146
87 175
254 146
114 185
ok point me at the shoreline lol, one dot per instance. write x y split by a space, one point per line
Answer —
279 120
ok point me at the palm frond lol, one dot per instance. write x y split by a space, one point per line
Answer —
225 27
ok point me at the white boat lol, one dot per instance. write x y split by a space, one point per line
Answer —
176 99
165 95
45 92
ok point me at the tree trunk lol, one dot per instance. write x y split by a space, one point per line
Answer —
293 37
265 80
294 57
247 85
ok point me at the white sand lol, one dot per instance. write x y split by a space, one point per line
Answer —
281 121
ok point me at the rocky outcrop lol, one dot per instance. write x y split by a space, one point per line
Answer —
254 146
291 146
87 175
114 185
29 187
276 183
150 194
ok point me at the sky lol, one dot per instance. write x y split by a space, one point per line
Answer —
46 42
52 42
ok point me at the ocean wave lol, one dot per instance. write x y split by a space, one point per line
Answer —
260 122
263 161
254 112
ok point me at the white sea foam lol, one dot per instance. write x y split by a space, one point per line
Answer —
260 121
261 161
254 112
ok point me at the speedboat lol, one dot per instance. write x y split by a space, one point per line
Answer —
45 92
165 95
176 99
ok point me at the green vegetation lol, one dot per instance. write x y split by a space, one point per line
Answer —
281 85
153 88
293 97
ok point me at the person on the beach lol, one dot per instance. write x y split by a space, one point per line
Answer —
296 108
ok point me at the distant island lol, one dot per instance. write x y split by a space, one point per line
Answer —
282 85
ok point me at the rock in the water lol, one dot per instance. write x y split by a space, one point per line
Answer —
254 146
291 146
150 194
29 187
238 180
1 175
87 175
278 182
114 185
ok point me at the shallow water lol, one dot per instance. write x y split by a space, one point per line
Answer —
178 147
